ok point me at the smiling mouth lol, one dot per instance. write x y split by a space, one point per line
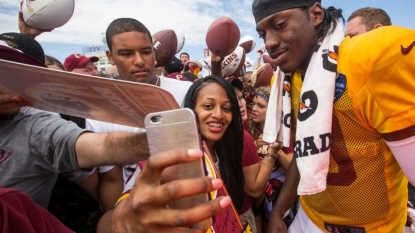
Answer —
277 54
215 125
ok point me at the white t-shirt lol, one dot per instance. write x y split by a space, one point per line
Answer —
176 87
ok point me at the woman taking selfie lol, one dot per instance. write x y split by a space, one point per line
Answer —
215 102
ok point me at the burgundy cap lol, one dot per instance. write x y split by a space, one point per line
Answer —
77 60
11 54
26 44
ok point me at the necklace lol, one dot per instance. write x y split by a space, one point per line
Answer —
216 158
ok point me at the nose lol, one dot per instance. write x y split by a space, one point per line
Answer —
138 60
271 41
217 112
254 108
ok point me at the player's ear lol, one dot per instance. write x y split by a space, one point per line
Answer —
378 25
316 14
109 56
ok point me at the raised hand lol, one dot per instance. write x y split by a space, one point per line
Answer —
26 29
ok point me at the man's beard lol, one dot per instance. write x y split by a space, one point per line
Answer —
8 115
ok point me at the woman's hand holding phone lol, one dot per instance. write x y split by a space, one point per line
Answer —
145 209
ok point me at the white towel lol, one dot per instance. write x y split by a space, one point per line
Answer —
272 126
315 117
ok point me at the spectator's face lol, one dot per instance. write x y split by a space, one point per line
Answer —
355 27
259 110
246 81
89 69
290 36
184 58
242 104
133 54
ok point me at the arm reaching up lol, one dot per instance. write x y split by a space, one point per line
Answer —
26 29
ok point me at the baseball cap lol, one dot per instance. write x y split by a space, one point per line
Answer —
175 65
77 60
236 82
265 8
25 51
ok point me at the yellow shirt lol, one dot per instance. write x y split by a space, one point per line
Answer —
365 185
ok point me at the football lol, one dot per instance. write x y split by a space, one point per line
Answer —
267 59
205 63
222 37
233 63
165 46
261 77
180 41
248 43
47 14
249 63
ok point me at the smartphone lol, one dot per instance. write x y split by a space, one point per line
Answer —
175 129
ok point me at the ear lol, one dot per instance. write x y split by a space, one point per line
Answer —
378 25
316 14
109 56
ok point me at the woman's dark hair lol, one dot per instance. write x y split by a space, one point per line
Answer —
229 148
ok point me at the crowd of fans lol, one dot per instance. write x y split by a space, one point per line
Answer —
61 173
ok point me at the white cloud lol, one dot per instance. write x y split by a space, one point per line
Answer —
91 18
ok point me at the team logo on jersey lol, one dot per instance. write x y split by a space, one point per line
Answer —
286 85
330 59
340 86
308 105
303 106
408 49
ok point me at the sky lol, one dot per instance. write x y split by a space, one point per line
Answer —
193 17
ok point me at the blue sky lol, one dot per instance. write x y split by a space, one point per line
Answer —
193 17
